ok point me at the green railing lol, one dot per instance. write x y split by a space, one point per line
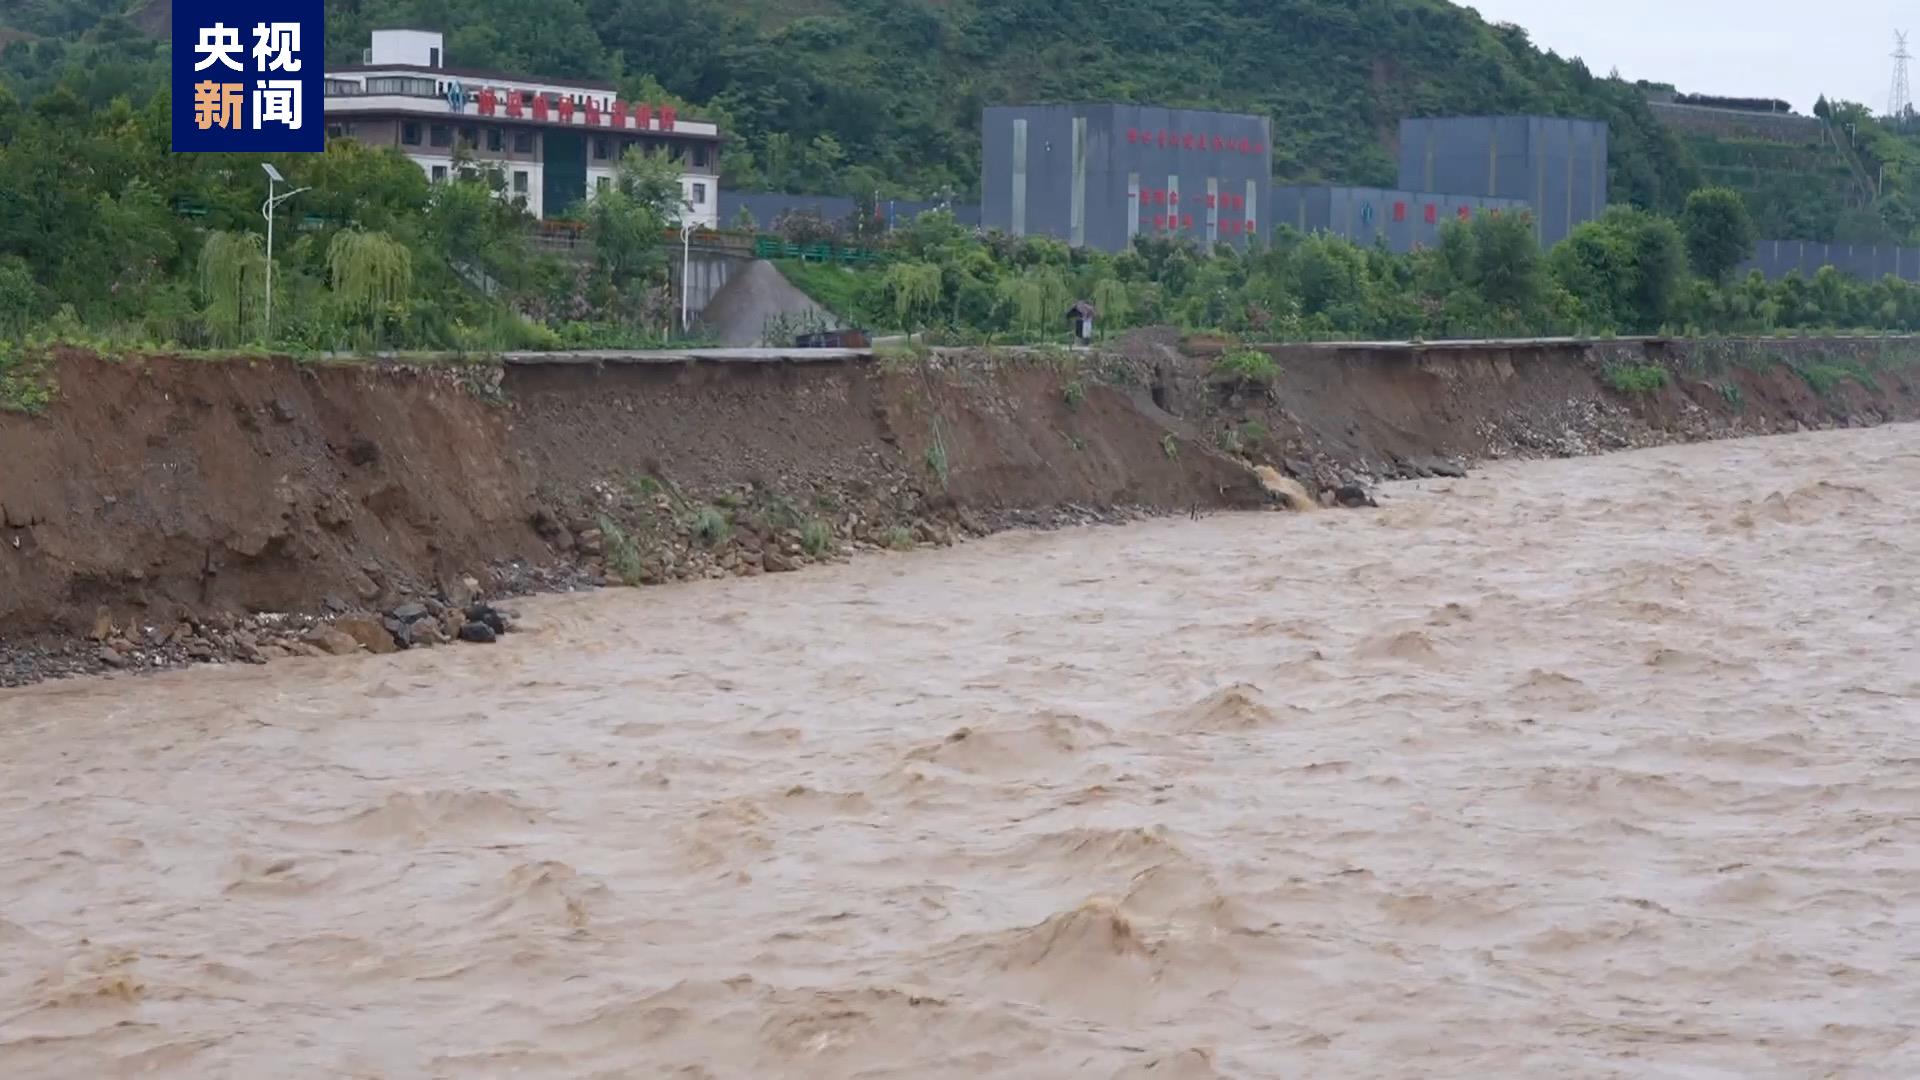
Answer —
772 247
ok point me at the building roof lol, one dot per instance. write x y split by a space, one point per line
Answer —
470 73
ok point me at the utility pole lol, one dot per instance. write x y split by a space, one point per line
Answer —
686 269
266 211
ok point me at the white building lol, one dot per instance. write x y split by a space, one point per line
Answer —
554 141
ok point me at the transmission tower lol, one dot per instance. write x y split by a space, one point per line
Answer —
1900 100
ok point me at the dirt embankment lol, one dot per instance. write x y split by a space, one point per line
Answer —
161 504
162 501
1367 412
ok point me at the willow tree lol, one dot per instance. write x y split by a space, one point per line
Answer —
233 279
1037 298
1110 301
371 274
914 288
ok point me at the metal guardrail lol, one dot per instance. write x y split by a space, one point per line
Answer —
769 247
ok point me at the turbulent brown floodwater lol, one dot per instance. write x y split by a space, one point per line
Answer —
1586 768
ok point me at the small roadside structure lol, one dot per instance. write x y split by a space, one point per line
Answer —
1080 320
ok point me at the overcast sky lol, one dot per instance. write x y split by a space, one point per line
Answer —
1792 49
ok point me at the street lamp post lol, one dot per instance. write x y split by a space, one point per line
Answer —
686 269
266 211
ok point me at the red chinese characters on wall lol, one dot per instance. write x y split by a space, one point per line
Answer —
593 113
513 103
1197 141
487 101
1466 213
1432 213
643 117
1399 211
566 110
539 106
617 113
667 116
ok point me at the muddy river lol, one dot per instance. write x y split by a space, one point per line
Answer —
1606 767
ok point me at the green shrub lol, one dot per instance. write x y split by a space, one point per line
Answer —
816 537
1824 379
1246 367
1170 446
711 526
937 462
26 382
623 558
642 488
1635 378
899 538
1074 393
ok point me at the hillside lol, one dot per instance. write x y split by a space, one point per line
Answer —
886 94
858 96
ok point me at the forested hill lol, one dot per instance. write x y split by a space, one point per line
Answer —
898 85
859 95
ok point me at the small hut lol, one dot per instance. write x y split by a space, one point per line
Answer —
1080 319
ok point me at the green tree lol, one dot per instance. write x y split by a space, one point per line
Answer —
1036 298
1111 301
628 221
233 278
914 288
1507 268
1595 263
372 276
1719 232
1660 255
20 298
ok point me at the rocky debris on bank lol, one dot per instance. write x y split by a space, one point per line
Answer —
643 530
131 646
416 624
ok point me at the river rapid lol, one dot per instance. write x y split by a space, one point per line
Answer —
1602 767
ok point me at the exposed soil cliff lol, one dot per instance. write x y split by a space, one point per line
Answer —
159 499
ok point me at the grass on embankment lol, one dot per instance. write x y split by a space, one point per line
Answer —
28 385
1635 378
840 290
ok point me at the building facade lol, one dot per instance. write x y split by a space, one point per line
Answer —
1557 165
1402 220
554 141
1099 175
